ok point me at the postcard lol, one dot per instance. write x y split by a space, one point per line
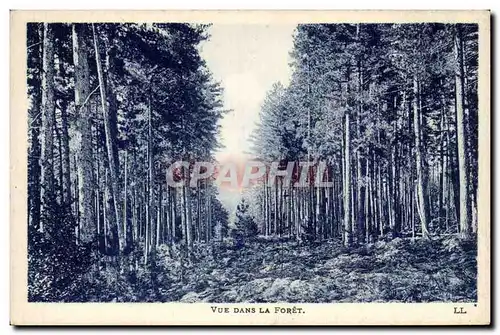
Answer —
250 168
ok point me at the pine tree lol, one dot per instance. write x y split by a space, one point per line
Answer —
375 101
84 150
47 133
245 223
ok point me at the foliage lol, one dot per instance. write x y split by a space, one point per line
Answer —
56 265
401 270
244 220
368 72
390 85
164 105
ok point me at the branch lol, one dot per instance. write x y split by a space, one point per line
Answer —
88 97
34 119
33 45
86 100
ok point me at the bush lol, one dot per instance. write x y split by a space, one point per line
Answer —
56 264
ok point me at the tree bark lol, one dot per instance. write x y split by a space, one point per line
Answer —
463 185
422 205
347 183
112 163
34 132
48 122
84 128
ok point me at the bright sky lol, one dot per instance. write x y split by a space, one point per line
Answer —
246 60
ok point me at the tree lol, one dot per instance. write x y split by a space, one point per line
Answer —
375 102
463 166
221 218
35 56
110 146
88 231
244 221
48 121
99 171
421 186
387 111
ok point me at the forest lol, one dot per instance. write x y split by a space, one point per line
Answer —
389 109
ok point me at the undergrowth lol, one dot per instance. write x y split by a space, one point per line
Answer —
270 270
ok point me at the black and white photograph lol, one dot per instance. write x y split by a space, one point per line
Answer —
253 163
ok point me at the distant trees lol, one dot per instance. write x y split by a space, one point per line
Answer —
111 107
392 110
245 223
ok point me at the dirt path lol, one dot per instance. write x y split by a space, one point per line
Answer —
400 270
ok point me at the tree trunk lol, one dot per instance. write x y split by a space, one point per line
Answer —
465 210
189 215
422 205
367 204
125 199
35 118
64 142
392 194
347 184
150 218
48 122
84 128
112 163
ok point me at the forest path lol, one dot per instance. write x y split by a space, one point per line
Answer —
267 271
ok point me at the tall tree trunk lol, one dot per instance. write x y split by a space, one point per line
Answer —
101 237
269 209
347 167
422 205
347 183
380 217
463 185
173 208
35 118
84 128
358 223
59 179
147 224
392 194
198 229
62 105
150 218
189 215
208 215
48 123
125 199
368 198
277 208
112 163
265 209
296 213
66 159
442 165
